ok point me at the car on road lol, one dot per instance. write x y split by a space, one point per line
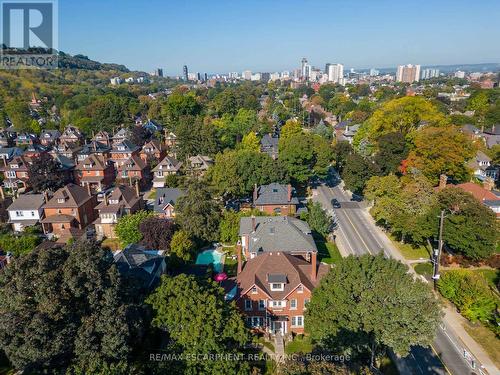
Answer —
335 203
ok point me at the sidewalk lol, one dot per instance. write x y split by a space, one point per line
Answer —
452 318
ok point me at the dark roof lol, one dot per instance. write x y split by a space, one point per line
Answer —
276 278
275 194
126 145
166 196
27 202
73 196
140 263
269 141
121 196
94 147
277 233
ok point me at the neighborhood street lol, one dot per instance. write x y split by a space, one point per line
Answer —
357 234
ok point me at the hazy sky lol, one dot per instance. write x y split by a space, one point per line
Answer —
273 35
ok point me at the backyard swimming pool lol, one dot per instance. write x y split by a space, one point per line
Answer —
211 256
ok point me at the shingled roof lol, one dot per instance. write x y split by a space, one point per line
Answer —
275 194
70 195
260 271
277 233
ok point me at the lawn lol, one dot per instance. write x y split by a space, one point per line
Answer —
328 251
261 340
486 339
300 344
424 269
410 252
152 194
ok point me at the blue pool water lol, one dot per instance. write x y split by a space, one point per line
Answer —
211 256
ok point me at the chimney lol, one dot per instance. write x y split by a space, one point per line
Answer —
488 183
45 196
313 266
289 193
443 179
254 225
2 193
105 199
254 193
88 189
137 188
238 254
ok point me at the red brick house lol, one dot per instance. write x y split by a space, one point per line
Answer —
154 150
275 199
96 172
16 173
71 134
123 151
69 211
134 169
273 290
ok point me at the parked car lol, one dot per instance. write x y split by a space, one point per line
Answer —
335 203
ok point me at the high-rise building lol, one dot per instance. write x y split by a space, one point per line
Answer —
265 77
429 73
158 72
305 69
247 74
185 72
459 74
327 67
374 72
408 73
205 77
335 73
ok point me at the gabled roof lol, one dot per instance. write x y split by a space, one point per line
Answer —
153 144
138 262
203 161
94 147
126 145
480 193
124 195
133 163
70 195
93 162
50 134
71 132
10 152
27 202
296 271
275 194
268 141
168 163
165 196
277 233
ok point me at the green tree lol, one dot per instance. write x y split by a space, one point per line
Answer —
472 228
357 172
290 129
318 219
199 320
392 150
198 214
79 311
19 114
182 247
441 150
128 226
250 142
378 305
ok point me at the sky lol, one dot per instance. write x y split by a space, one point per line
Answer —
219 36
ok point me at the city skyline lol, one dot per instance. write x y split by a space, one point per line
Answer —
266 36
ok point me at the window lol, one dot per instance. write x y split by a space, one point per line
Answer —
262 304
277 286
293 304
248 304
254 290
300 289
60 200
19 213
32 213
257 321
297 321
277 304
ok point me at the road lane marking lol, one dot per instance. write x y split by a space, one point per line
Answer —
359 235
440 360
418 365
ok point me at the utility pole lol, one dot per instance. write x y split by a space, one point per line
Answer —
437 253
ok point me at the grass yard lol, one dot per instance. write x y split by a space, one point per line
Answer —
328 251
486 339
112 243
261 340
424 269
152 194
300 344
409 251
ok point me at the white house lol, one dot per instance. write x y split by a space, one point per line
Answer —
25 211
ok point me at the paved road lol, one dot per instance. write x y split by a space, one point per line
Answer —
358 235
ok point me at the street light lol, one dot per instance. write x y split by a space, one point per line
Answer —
437 252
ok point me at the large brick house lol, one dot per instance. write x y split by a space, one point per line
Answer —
123 200
273 287
71 207
122 151
134 169
152 151
275 199
16 173
96 172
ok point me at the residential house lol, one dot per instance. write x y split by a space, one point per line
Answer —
16 173
26 211
6 139
122 151
35 151
275 199
166 167
69 212
153 151
7 153
199 164
122 200
170 139
66 166
134 169
484 194
95 172
93 148
5 202
26 139
121 135
492 136
269 145
152 126
165 201
71 134
145 266
479 164
273 290
102 137
49 137
67 149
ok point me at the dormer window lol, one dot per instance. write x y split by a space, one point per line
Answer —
277 281
60 200
300 289
14 166
113 201
254 290
277 287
